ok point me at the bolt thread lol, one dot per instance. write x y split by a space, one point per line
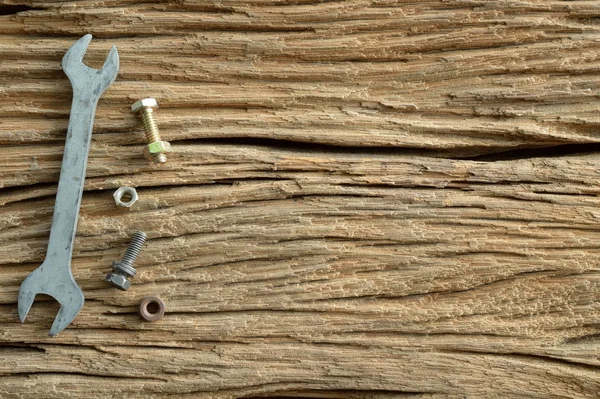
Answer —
152 134
150 125
134 248
159 158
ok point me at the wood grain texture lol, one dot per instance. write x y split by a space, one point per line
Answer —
367 199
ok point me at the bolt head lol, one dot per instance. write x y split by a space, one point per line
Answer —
118 281
145 103
157 147
121 192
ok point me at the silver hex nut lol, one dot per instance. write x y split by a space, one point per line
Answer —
125 197
118 281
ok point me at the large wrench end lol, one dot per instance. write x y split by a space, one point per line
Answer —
63 289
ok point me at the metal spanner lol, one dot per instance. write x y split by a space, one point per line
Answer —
54 277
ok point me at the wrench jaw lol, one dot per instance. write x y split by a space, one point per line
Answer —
69 308
75 54
63 289
111 65
26 298
82 76
30 287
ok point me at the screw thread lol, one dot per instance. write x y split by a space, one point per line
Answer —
152 134
134 248
150 125
159 158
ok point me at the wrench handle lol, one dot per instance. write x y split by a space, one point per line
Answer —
72 177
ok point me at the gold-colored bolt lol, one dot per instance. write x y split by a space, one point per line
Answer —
156 149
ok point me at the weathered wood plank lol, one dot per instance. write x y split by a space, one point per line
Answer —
342 74
340 218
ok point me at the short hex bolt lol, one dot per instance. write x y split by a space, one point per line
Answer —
156 149
123 269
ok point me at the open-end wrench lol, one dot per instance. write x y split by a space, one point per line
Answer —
54 277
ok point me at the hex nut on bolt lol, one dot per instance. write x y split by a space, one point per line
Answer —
121 193
152 308
119 281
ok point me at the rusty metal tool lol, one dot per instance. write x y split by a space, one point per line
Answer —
54 277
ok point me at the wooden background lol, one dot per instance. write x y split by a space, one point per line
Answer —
367 199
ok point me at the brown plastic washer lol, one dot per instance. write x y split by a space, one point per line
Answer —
152 308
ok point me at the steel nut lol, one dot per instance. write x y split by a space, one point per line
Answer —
156 147
141 104
118 281
152 308
125 197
